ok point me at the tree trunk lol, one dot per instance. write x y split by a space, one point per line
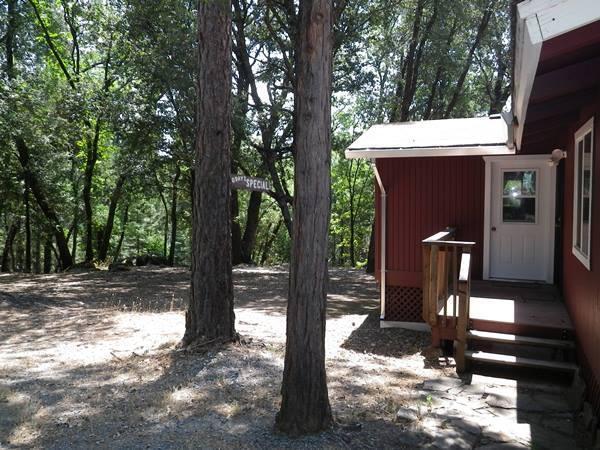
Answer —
8 245
210 316
37 267
32 181
47 256
266 248
88 176
305 404
110 220
370 268
27 265
236 230
174 216
485 19
166 230
252 221
9 38
122 236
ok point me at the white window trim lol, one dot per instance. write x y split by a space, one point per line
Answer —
580 134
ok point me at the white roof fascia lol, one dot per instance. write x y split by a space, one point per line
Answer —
526 62
424 152
539 21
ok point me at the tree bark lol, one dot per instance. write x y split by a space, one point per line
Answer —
104 243
252 221
485 19
10 37
174 215
305 403
32 181
8 246
271 236
370 268
88 176
210 315
122 236
27 265
47 256
236 230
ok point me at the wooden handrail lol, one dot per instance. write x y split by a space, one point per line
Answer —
464 300
443 275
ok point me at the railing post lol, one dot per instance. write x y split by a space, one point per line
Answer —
464 289
426 281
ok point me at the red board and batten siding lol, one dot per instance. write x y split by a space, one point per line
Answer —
582 286
424 196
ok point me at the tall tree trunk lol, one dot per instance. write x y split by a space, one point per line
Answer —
370 268
167 215
122 236
8 246
210 315
88 177
32 181
174 215
252 221
271 236
236 230
9 38
75 234
485 19
27 265
47 255
37 266
110 220
305 403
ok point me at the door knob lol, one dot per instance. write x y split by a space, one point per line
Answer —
493 228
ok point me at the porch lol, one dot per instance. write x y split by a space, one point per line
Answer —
506 307
495 322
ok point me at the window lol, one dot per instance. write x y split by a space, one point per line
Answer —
519 196
582 201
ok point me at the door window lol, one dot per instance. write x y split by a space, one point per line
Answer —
519 196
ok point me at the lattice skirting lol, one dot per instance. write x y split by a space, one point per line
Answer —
403 304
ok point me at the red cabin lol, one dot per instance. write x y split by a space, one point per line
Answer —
488 229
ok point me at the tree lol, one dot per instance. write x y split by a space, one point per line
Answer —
210 314
305 404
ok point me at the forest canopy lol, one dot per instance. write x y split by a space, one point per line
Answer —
97 118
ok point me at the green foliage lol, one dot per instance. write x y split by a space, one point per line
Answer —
121 73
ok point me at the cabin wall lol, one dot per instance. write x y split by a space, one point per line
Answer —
424 196
581 287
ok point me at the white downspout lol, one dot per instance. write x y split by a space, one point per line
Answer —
382 248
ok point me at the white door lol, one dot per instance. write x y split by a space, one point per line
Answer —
521 218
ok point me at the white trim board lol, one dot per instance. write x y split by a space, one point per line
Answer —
414 326
519 161
539 21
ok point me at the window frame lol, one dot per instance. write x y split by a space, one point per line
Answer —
536 197
580 135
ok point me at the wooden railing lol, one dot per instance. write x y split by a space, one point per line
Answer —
444 277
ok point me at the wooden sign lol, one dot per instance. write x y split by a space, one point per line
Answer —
250 183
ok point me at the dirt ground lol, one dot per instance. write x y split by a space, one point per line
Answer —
88 360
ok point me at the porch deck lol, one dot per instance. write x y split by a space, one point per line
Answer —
519 308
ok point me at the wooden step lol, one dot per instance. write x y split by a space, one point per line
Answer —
518 361
519 340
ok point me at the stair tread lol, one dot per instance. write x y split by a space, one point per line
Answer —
519 361
517 339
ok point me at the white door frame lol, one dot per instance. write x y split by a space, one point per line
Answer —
550 217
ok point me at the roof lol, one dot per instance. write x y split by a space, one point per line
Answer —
447 137
540 21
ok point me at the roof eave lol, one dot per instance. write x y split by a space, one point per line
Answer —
428 152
